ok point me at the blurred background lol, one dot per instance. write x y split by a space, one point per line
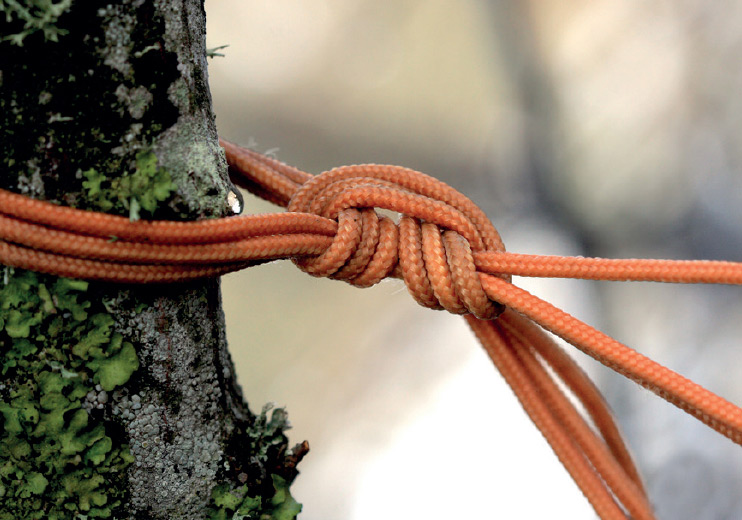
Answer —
581 127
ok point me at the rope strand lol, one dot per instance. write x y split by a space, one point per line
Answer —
449 256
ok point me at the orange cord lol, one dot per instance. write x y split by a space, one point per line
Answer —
449 256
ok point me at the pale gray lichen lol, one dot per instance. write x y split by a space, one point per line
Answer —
57 117
95 399
44 97
191 52
32 184
198 161
119 25
135 100
174 420
130 142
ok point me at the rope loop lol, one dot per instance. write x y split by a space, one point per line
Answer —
431 248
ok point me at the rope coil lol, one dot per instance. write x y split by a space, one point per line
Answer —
449 256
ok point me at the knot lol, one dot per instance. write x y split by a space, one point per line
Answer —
431 248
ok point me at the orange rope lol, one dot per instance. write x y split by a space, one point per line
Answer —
449 256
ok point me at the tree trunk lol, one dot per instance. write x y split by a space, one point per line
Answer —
121 401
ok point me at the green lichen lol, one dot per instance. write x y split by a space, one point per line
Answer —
57 459
237 504
267 433
141 190
265 436
35 16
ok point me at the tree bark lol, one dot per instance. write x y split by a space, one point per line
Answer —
121 401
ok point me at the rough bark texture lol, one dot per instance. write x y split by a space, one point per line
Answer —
121 402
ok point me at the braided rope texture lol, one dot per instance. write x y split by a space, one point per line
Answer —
450 257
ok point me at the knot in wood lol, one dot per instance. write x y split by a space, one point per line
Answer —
431 247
